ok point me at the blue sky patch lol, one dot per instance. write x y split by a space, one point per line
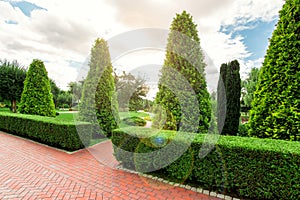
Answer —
256 36
11 22
75 64
26 7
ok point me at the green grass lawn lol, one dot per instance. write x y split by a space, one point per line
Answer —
70 116
133 114
66 116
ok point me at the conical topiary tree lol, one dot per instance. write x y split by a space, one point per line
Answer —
183 94
275 109
99 102
36 98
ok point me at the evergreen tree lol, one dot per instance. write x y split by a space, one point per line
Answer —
221 98
99 102
233 94
36 97
229 94
182 86
275 109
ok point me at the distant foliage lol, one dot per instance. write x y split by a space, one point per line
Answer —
131 91
229 102
249 87
12 76
183 94
37 98
55 90
275 109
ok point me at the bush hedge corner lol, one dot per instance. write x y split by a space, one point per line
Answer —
47 130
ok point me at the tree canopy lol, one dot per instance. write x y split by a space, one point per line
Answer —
12 77
130 90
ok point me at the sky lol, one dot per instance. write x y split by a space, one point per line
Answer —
62 32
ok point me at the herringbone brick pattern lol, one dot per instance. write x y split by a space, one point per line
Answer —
30 170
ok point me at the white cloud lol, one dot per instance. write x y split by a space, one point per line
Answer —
67 30
246 66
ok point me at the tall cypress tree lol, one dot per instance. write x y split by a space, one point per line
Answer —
229 94
182 84
233 94
36 97
221 98
275 109
99 102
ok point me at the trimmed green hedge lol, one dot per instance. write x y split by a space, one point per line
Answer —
237 166
47 130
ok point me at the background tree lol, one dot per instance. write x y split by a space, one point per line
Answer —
99 94
275 109
221 97
36 97
229 114
75 88
64 99
131 91
248 89
12 77
184 69
55 90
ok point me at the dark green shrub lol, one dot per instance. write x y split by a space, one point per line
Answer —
275 109
239 166
134 121
47 130
36 97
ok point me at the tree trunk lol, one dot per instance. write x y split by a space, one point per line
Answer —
14 106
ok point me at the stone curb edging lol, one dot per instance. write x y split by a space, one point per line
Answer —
198 190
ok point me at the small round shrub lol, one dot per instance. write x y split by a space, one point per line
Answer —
134 121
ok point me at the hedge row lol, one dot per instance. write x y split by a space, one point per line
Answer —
47 130
237 166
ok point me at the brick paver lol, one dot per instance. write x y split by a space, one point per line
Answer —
30 170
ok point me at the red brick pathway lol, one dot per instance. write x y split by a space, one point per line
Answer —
32 171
